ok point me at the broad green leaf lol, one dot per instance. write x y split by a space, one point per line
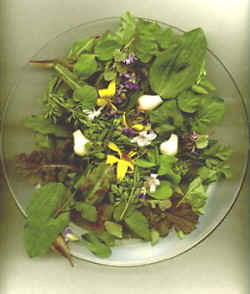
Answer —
80 46
144 163
177 68
167 113
96 246
113 228
165 38
45 202
221 152
196 194
107 238
127 28
105 49
145 49
163 191
202 141
45 126
164 129
87 96
138 224
87 210
188 101
86 66
155 237
109 75
210 112
38 237
148 30
118 210
166 168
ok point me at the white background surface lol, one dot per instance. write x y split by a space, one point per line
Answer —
219 264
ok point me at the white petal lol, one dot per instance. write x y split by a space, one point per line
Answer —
153 176
152 188
152 135
157 182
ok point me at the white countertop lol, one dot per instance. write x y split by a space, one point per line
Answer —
217 265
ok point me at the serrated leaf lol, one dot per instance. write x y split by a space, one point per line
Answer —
221 152
188 101
138 224
105 48
127 28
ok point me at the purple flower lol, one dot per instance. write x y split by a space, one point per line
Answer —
130 59
118 100
129 132
142 196
111 113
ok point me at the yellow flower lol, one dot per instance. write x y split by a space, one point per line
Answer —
106 95
123 163
137 127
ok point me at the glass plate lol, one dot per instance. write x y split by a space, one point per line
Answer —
24 101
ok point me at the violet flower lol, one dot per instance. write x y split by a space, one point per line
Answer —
130 59
129 132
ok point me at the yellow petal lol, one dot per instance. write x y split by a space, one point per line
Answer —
122 168
101 102
138 127
108 92
131 164
132 153
115 148
111 159
124 121
113 106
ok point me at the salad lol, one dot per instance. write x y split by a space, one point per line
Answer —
125 141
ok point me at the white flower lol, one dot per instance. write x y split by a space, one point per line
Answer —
152 182
92 114
170 147
80 142
145 138
149 102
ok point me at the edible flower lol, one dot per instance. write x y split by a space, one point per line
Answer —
144 138
80 142
130 59
69 235
92 114
106 95
152 182
170 147
149 102
124 162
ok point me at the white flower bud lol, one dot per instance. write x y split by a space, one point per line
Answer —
80 143
149 102
170 147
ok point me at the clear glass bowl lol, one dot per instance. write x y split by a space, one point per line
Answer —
24 101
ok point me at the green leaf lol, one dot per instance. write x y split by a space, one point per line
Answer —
188 101
221 152
127 28
148 30
177 68
210 112
199 90
163 192
38 237
207 175
45 126
165 38
80 46
202 141
164 130
204 82
105 48
86 66
87 96
138 224
107 238
94 245
144 163
118 210
113 228
87 210
43 141
196 194
167 113
145 49
45 201
166 168
155 237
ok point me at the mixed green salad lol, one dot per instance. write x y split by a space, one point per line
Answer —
125 146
